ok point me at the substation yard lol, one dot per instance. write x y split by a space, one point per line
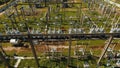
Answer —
75 34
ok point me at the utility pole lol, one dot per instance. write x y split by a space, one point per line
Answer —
80 14
23 13
3 57
32 45
15 6
105 49
45 3
31 7
6 3
69 51
11 19
65 4
3 50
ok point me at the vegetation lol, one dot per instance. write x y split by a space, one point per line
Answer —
3 1
59 17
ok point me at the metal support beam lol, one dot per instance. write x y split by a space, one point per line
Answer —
4 60
15 6
105 49
32 46
1 49
3 57
33 50
69 54
23 13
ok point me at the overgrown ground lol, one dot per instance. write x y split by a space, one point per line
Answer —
96 46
